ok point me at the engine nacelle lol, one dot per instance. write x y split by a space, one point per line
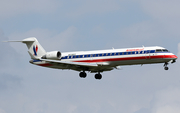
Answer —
52 55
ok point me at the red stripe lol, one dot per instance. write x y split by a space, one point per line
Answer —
128 58
36 48
46 65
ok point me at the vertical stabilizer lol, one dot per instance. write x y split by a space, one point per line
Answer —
35 49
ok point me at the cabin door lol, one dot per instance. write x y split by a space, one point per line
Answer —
91 57
147 54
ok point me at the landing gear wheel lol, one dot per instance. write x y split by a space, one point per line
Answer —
98 76
166 68
165 64
82 74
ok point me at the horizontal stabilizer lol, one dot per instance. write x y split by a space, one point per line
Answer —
12 41
27 40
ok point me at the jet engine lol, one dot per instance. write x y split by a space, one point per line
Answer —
52 55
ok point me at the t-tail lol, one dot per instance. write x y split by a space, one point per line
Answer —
36 51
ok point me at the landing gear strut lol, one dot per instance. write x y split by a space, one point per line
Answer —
98 76
82 74
165 66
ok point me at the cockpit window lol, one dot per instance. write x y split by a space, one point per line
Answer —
165 50
158 50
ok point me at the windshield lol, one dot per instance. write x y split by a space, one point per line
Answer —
158 50
165 50
161 50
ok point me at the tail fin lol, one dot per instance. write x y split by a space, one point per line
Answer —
35 49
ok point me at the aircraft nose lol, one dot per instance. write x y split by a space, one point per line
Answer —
175 57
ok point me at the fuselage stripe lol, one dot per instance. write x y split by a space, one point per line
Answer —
128 58
111 54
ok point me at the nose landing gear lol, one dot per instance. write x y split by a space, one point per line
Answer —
165 66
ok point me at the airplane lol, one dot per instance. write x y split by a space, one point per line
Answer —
96 61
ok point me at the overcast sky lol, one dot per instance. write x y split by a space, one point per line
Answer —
76 25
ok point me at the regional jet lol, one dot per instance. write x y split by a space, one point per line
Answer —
96 61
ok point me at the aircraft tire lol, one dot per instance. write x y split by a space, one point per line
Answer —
98 76
82 74
166 68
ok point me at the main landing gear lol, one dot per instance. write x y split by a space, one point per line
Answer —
83 75
98 76
165 66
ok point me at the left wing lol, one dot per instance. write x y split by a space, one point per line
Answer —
71 63
79 66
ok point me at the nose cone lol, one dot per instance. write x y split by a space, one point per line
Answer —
175 57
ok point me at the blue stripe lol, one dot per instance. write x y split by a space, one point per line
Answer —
112 54
34 49
34 60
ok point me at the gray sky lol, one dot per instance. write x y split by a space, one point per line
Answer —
88 25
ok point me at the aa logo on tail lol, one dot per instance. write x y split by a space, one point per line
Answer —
35 49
